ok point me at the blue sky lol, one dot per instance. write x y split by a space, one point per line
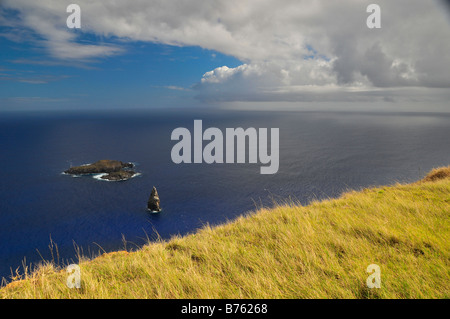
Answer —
183 53
144 75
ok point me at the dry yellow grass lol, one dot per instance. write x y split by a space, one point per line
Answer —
291 251
438 173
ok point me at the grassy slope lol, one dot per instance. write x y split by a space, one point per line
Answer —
318 251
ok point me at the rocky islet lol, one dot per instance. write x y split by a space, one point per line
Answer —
112 170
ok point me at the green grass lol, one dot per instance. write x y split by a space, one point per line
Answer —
291 251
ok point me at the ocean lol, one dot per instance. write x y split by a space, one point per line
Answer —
45 214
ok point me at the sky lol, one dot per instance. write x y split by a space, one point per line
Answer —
257 54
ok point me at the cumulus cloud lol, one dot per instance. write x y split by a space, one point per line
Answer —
291 49
340 57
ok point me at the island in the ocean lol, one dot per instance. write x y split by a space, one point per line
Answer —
112 170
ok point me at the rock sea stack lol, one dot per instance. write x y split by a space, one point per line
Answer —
153 203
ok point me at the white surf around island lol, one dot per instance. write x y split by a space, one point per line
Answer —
72 175
154 211
99 177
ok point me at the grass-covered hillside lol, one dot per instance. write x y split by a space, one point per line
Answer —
317 251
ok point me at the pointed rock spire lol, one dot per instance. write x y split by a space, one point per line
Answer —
153 201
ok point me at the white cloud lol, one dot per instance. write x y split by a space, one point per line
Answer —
287 46
48 19
173 88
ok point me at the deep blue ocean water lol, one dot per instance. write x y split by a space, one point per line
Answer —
322 154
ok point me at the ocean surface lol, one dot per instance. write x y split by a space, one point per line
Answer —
47 215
